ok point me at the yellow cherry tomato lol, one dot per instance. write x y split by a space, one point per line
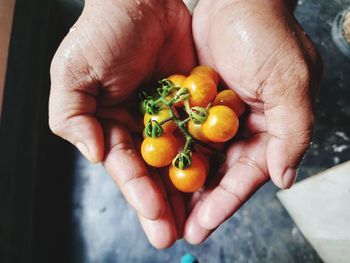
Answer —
190 179
230 99
163 114
221 124
178 80
208 71
159 151
202 89
196 131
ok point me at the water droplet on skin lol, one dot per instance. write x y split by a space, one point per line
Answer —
68 51
72 29
244 35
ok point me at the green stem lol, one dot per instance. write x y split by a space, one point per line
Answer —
182 123
159 100
188 142
187 106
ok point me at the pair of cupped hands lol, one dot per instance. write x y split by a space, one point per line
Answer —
259 50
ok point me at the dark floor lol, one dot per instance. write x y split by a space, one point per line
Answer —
106 229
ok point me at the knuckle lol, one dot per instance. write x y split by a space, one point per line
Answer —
122 146
232 192
253 164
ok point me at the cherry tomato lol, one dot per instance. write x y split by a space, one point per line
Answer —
230 99
221 124
159 151
196 131
202 89
208 71
178 80
163 114
191 178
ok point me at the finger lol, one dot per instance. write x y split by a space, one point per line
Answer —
128 170
241 180
160 232
176 201
289 120
72 105
252 124
194 233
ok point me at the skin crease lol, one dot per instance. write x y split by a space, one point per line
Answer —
117 45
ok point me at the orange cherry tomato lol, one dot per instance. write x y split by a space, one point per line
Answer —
230 99
208 71
163 114
178 80
202 89
190 179
159 151
196 131
221 124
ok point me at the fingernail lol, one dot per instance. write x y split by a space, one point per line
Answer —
289 177
82 147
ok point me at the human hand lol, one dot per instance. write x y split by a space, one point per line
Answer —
114 47
262 53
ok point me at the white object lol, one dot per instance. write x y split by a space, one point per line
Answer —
320 207
191 4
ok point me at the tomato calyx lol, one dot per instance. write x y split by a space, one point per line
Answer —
182 94
183 160
154 129
166 87
151 106
198 114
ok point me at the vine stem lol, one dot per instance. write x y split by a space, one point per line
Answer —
187 106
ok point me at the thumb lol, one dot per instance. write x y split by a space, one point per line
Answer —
72 105
289 121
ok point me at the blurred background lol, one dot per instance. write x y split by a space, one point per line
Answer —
56 207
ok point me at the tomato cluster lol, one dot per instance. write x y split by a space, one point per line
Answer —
187 122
